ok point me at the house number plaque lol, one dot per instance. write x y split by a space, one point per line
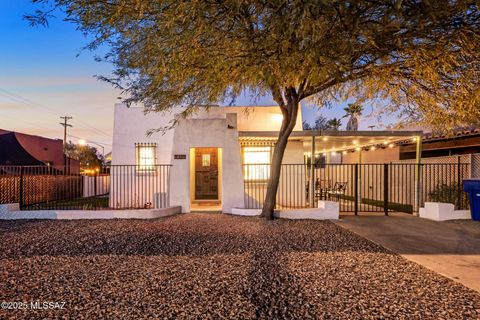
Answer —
180 156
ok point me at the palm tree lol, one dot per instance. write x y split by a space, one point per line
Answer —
334 124
306 125
353 111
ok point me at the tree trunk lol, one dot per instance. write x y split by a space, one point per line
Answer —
288 123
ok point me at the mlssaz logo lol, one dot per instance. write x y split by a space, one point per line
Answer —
47 305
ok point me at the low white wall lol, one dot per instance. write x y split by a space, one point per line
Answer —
438 211
327 210
246 212
11 212
308 213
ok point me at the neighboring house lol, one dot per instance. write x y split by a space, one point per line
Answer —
29 150
461 143
108 159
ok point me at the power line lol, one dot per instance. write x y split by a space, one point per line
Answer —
34 125
17 98
72 136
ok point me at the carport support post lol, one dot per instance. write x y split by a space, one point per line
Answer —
312 174
418 167
459 182
355 189
385 188
358 181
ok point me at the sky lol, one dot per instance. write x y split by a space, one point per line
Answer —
44 74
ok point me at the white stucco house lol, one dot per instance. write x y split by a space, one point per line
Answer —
207 154
219 159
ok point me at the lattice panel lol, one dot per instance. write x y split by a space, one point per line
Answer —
9 189
475 169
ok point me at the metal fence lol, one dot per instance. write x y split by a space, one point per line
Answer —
360 187
357 187
106 187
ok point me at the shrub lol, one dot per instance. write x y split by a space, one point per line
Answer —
449 193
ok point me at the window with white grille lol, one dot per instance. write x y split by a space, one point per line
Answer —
146 156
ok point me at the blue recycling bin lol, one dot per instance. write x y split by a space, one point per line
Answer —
472 187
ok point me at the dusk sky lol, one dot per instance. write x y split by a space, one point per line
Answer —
41 79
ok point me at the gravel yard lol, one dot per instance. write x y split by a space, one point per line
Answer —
216 266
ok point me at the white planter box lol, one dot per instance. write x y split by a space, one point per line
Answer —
439 211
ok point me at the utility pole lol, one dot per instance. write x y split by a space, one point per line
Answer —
65 125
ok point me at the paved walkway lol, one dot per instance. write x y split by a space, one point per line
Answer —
451 248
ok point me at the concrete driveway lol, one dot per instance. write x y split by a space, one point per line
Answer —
450 248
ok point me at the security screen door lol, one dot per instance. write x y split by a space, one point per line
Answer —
206 174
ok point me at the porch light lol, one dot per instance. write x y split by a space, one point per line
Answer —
358 148
324 138
355 141
372 148
391 145
344 152
333 153
324 153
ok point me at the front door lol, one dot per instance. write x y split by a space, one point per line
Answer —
206 174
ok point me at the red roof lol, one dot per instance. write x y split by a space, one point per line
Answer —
20 148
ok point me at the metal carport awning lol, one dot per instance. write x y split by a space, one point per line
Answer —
335 141
316 142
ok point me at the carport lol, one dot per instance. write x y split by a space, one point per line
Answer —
359 187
